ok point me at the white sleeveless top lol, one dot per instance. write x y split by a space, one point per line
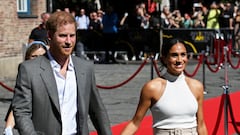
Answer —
177 107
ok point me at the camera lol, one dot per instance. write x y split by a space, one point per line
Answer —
197 6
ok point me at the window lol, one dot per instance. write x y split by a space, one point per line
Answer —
23 7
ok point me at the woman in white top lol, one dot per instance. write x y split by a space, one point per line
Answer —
174 99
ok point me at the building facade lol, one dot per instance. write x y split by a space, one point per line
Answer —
17 19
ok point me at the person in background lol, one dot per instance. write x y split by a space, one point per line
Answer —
226 18
176 101
66 9
197 7
82 20
73 12
142 15
34 49
154 21
110 29
205 13
237 31
40 33
56 94
165 15
178 19
95 23
187 22
123 24
173 23
100 14
213 16
110 20
198 21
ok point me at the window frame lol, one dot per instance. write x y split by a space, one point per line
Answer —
23 7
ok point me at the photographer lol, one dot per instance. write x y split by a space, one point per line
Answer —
198 22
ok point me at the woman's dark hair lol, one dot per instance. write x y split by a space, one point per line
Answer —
167 46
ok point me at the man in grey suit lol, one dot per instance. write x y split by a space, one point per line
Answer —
55 93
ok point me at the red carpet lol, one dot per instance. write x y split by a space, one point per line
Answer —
212 111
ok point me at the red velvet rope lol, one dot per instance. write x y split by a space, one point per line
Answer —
196 69
211 69
219 115
232 117
6 87
217 56
156 68
124 82
99 86
188 74
157 71
227 97
230 61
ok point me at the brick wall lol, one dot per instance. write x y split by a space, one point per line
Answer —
14 32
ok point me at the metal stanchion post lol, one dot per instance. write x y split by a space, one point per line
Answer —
151 67
226 91
203 67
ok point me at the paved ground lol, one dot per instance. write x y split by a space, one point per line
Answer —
121 102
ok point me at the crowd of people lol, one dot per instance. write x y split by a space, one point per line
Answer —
217 15
214 16
109 22
56 89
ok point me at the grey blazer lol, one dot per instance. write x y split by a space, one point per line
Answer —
36 106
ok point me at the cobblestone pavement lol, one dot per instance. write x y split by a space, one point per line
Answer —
121 102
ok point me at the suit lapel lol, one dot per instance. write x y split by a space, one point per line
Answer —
81 82
80 78
50 83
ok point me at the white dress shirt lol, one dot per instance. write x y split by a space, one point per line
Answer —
67 94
